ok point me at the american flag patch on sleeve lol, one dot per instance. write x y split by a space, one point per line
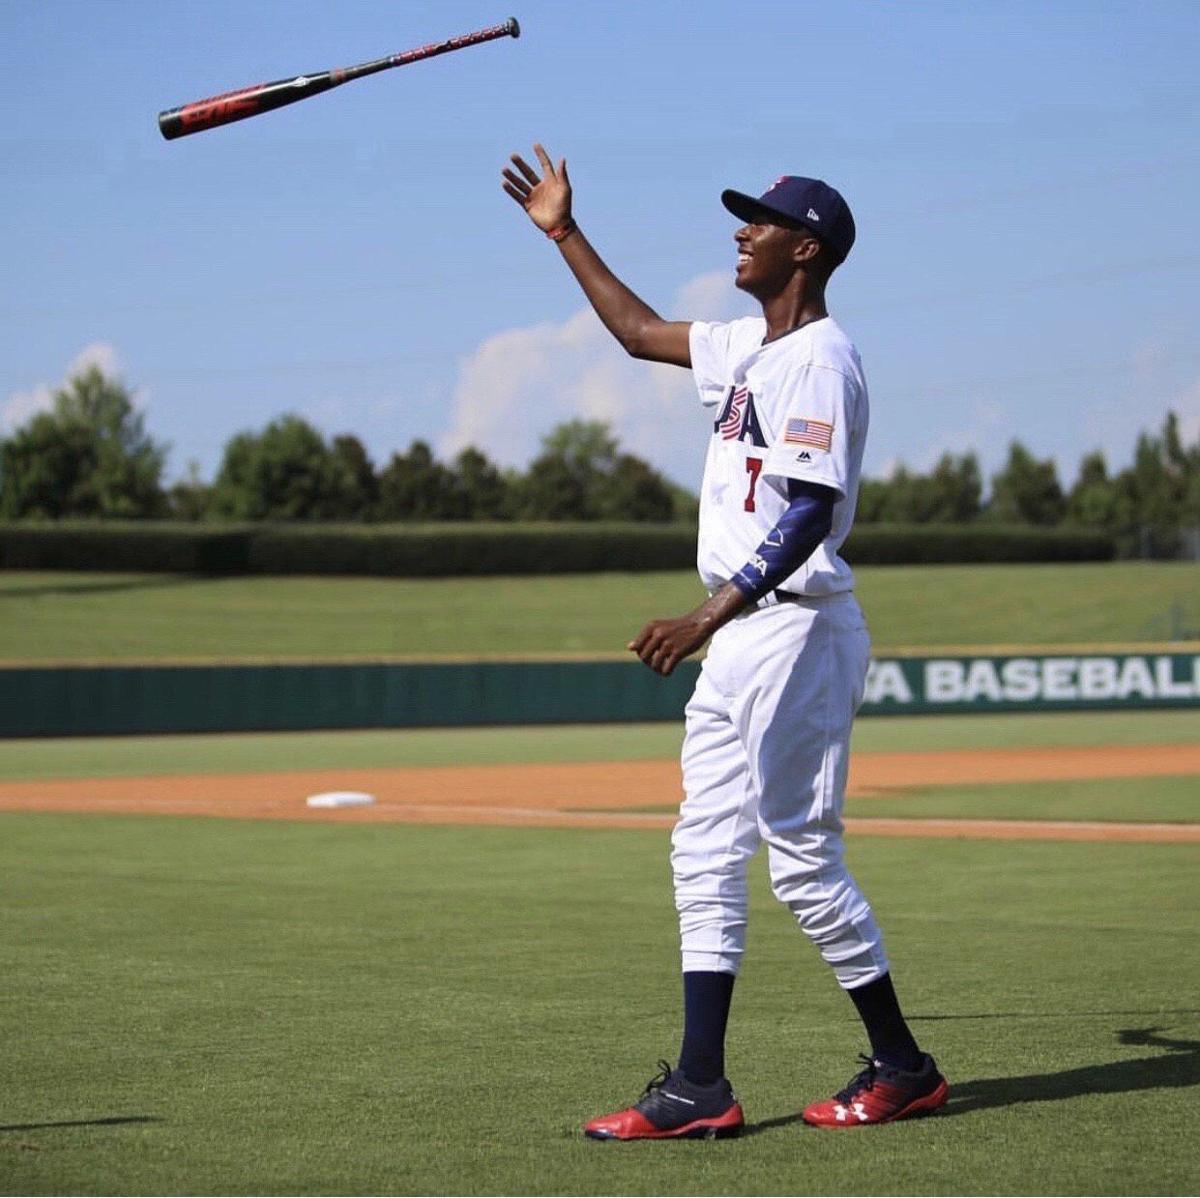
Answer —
816 433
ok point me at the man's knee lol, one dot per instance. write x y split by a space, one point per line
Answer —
835 915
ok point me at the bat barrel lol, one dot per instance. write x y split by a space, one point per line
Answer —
237 105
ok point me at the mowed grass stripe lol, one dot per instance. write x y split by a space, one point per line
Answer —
305 1009
144 617
1122 800
88 757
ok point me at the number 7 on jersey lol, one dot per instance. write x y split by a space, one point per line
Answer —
754 469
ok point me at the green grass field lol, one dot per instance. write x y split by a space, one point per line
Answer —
1118 800
205 1006
196 1006
1132 800
86 757
123 617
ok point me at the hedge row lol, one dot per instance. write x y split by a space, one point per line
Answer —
920 544
429 550
422 550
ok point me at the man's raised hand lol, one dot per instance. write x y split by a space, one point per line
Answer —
547 200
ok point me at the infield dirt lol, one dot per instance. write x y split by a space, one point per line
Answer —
614 794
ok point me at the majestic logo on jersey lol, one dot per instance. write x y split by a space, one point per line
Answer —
816 433
737 418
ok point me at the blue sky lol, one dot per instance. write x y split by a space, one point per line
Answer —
1025 177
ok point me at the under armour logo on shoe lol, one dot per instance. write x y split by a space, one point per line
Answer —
842 1114
812 215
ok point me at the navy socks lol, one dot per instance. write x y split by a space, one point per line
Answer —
879 1009
706 999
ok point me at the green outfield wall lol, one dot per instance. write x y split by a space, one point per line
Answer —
85 701
118 700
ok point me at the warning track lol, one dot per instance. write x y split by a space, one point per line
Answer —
638 794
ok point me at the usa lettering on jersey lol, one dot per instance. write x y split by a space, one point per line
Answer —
737 418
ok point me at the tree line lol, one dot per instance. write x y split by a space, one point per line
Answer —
1149 508
90 455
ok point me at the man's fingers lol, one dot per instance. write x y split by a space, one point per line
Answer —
648 649
664 659
562 171
657 647
516 181
640 640
520 197
526 170
544 159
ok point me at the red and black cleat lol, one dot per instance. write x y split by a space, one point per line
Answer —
881 1094
671 1107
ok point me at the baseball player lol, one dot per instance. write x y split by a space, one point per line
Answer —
766 747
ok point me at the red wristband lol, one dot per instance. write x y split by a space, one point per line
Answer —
563 230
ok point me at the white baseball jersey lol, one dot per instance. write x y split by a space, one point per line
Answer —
794 408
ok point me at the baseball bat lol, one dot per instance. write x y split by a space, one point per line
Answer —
262 97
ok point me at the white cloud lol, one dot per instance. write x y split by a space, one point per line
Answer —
521 383
709 296
20 406
98 353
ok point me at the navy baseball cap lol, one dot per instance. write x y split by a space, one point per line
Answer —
809 202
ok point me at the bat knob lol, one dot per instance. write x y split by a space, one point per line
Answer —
512 27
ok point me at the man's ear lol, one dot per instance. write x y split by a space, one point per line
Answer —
807 247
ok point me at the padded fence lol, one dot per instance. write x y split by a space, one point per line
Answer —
87 701
96 701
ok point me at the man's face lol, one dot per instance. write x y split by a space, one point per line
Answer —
767 257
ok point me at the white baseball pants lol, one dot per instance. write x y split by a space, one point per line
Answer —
765 758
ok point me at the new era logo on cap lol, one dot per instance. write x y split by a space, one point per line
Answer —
809 202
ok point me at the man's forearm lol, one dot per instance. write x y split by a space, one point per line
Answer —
663 644
547 202
802 527
625 315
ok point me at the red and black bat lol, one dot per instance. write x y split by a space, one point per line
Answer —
262 97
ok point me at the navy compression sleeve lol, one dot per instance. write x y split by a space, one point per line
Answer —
801 528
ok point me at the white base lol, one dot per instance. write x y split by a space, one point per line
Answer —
340 798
